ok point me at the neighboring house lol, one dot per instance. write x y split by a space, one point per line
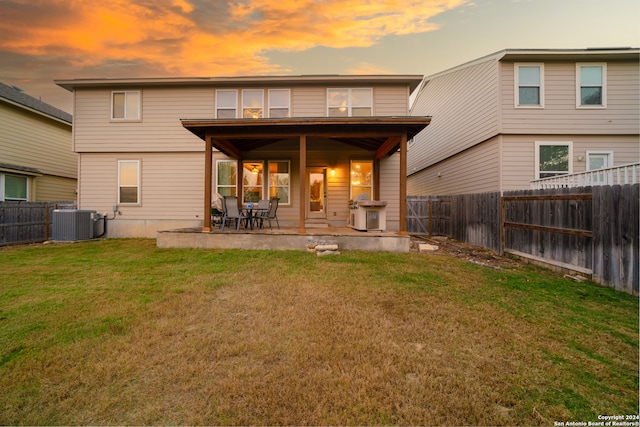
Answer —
36 160
158 150
506 119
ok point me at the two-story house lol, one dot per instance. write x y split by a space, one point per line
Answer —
36 160
158 150
506 119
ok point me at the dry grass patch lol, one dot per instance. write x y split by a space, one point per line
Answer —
133 334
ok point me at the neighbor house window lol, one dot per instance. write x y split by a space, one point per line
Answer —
280 181
252 103
129 182
529 85
14 187
553 158
252 174
361 179
125 105
591 90
226 177
279 100
226 104
349 102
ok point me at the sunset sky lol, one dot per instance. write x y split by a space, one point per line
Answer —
43 40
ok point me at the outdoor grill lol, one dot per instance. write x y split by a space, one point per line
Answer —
365 214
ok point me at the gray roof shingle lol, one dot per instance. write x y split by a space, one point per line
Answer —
16 95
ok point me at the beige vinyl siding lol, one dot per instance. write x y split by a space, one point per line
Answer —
472 171
518 154
390 101
309 101
390 189
464 109
53 188
30 139
560 115
159 130
171 185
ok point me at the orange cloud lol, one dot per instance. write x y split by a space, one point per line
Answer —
195 37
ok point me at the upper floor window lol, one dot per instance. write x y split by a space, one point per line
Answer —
14 187
553 158
344 102
529 85
591 89
252 103
129 182
125 105
226 104
279 101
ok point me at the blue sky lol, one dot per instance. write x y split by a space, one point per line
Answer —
43 40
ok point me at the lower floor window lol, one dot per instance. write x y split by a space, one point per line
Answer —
128 181
226 177
276 176
553 158
362 179
252 173
279 181
14 187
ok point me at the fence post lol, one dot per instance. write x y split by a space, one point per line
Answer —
430 217
503 212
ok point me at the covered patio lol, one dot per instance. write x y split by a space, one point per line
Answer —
284 238
380 137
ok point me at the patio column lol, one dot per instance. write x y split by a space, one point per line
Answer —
303 184
239 180
403 185
376 179
208 165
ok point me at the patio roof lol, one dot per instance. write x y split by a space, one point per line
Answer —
382 135
234 136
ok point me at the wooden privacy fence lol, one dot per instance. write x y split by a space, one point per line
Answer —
594 230
27 222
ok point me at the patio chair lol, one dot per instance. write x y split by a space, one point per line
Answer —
260 210
231 212
272 213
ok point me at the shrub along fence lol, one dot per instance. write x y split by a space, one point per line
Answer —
593 230
28 222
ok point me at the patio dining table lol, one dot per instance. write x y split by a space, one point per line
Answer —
251 212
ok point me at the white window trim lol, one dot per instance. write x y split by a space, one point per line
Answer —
590 153
269 181
139 184
288 106
235 92
349 103
604 85
537 154
261 102
235 184
138 118
516 82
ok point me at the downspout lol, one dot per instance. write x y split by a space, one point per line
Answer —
403 185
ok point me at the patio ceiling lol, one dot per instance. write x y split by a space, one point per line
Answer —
235 136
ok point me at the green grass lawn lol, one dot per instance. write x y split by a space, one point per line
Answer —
121 332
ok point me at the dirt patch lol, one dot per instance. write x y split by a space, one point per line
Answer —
470 253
